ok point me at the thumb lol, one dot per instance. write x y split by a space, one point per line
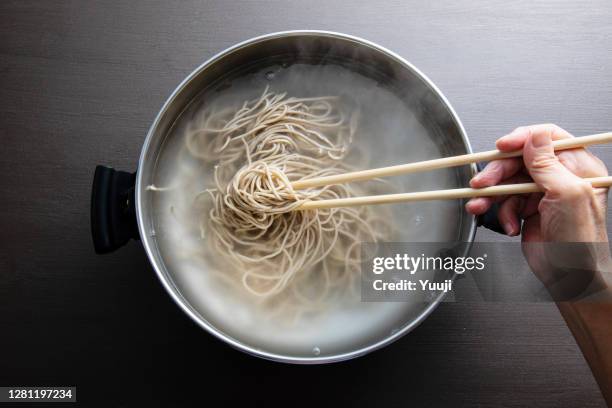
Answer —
544 166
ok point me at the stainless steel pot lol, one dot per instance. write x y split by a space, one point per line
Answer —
121 210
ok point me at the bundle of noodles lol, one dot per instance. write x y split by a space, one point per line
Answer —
251 221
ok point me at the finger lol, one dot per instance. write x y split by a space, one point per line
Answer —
496 171
520 177
531 205
545 167
602 166
517 138
582 163
531 231
481 205
508 214
478 205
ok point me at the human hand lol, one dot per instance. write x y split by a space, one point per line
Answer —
570 210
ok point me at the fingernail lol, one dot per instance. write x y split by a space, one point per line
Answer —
540 139
512 134
474 181
509 228
502 139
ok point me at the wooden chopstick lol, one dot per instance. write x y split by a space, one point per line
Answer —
444 162
439 195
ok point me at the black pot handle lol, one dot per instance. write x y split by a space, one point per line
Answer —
489 219
113 209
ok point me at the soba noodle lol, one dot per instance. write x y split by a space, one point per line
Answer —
249 218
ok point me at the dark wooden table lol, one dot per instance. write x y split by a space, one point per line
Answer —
80 82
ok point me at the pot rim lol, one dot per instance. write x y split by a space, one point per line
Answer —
150 247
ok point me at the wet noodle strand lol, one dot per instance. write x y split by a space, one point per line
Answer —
247 218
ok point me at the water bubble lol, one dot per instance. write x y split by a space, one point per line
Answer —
418 220
152 233
269 75
316 351
394 330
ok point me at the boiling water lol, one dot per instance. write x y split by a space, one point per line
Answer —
388 133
